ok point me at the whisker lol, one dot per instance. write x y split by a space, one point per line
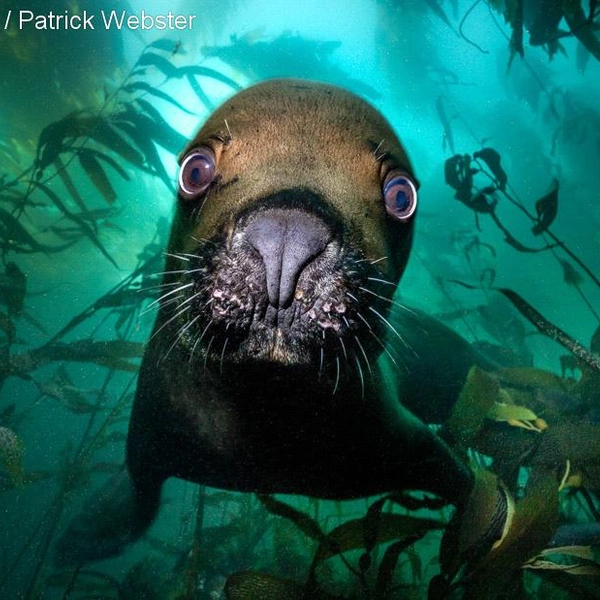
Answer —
175 316
337 374
383 346
149 309
378 280
169 293
321 360
343 348
202 240
179 335
212 339
222 356
371 262
177 256
392 328
187 255
362 379
364 355
198 340
394 303
384 298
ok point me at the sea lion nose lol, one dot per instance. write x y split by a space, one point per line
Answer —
287 241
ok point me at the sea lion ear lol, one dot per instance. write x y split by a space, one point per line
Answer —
400 195
198 170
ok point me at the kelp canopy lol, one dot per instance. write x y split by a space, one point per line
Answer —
506 253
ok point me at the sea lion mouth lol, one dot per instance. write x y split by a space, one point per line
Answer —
283 287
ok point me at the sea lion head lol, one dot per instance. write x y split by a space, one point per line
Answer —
293 226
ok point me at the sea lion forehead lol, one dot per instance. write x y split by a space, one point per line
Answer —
289 105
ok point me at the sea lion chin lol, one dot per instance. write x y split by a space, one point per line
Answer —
275 365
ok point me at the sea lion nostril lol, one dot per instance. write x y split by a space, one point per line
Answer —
287 241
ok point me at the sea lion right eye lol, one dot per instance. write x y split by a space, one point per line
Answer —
197 172
400 195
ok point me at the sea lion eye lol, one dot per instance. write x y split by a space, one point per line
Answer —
197 172
400 195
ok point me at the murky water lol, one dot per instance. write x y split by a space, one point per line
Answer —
96 106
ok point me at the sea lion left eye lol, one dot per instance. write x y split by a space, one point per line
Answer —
197 172
400 195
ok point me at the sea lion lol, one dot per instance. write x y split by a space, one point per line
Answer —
275 364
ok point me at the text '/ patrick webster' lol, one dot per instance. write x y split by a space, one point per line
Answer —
113 19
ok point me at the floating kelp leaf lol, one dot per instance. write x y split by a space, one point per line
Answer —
351 535
249 585
467 537
11 455
202 96
387 566
435 6
410 502
515 415
142 86
51 140
65 177
511 240
524 377
164 44
551 330
87 231
109 160
304 522
106 135
517 245
459 176
176 140
476 399
156 127
570 275
61 388
93 169
516 38
484 200
546 208
211 73
582 27
134 128
534 521
592 569
114 354
492 160
151 59
577 441
15 237
584 552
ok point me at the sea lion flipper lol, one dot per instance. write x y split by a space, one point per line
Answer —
118 515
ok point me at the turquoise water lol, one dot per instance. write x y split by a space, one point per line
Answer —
82 229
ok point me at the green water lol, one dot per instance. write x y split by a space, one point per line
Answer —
441 71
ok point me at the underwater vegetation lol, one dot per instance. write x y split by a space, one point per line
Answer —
536 430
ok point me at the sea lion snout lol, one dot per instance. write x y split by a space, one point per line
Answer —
292 231
287 240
